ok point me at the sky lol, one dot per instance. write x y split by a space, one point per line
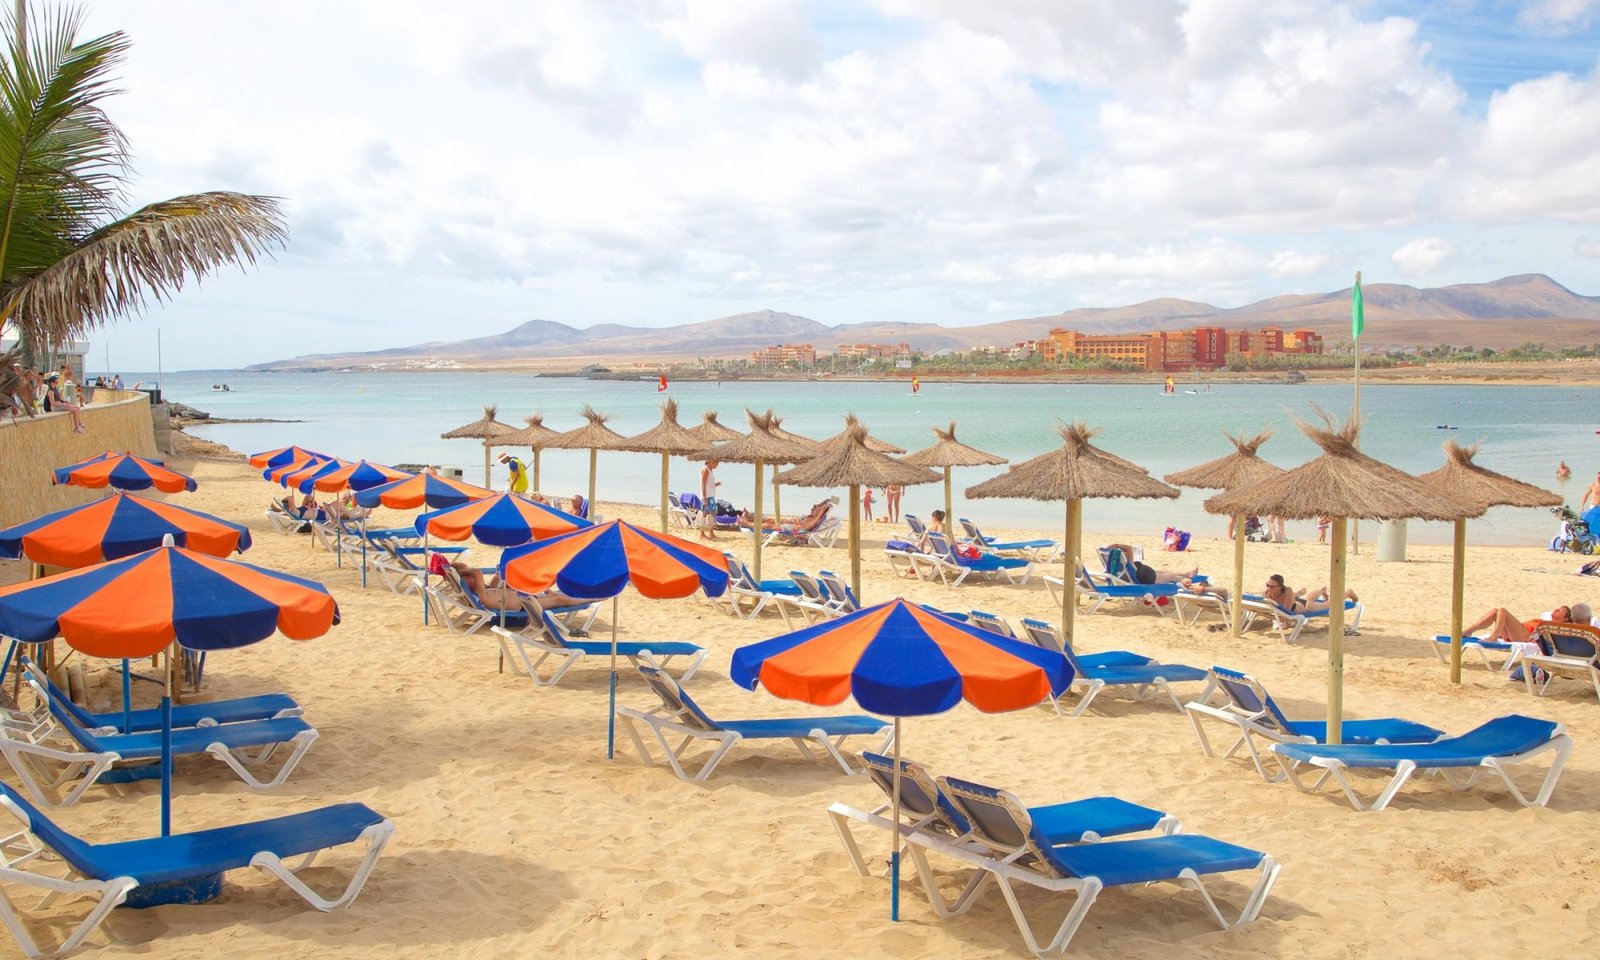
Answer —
450 171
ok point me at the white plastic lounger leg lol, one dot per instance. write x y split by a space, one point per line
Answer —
85 768
376 837
1562 745
110 893
1093 690
1088 890
241 763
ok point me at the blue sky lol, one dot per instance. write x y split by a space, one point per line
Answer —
452 172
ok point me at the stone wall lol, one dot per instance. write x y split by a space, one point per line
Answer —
31 448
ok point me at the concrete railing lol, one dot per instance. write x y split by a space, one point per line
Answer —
30 448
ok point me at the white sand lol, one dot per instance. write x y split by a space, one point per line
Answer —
516 835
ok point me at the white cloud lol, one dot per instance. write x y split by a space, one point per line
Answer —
1535 154
1423 255
1587 247
1559 15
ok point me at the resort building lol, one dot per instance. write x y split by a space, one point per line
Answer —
874 351
801 355
1176 351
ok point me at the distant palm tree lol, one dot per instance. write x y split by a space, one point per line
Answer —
70 260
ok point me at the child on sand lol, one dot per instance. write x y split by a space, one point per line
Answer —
1322 528
866 503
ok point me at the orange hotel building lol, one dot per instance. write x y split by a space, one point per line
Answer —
1176 351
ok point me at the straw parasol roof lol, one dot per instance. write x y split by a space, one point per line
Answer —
484 428
710 429
668 436
759 445
777 431
873 443
535 434
1461 479
950 452
1074 471
593 435
849 460
1238 469
1343 482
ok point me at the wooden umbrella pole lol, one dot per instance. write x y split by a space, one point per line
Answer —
777 505
1069 583
1336 580
756 532
855 539
1458 583
536 470
949 515
1236 602
594 461
486 477
664 456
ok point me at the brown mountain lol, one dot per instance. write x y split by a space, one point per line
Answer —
1504 313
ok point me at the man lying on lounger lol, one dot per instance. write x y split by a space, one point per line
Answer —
805 524
1146 574
495 595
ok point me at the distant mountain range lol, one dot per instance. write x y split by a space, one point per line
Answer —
1504 313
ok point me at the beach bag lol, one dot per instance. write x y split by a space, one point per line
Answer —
437 564
966 551
1175 540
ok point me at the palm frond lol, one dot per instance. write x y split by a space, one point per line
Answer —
151 253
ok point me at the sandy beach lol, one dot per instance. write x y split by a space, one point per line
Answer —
516 835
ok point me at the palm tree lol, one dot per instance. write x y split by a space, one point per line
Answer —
70 261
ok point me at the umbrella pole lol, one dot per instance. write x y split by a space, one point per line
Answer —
664 456
127 698
1236 602
1458 577
777 505
594 460
855 539
756 533
894 828
1069 581
363 552
166 750
425 564
486 466
535 469
949 514
1336 632
611 719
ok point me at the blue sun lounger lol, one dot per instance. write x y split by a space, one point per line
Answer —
120 757
1024 855
1146 679
679 715
1491 747
269 706
186 868
1251 710
1030 549
554 641
943 828
1046 635
953 570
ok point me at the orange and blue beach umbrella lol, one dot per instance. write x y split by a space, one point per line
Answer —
423 489
137 606
278 473
303 478
901 660
503 520
116 527
601 561
122 471
360 475
283 456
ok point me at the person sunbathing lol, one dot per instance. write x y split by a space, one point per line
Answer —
495 595
1503 626
1204 589
1300 602
805 524
1146 574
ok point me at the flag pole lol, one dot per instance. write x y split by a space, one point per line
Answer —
1358 323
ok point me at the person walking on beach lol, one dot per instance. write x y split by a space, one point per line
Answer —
708 499
519 473
891 501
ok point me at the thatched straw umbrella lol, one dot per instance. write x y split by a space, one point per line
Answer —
486 428
759 447
848 460
950 452
1342 483
1076 471
535 436
1241 468
593 436
1461 479
710 430
666 438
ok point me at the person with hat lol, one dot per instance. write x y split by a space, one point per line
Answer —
53 396
519 473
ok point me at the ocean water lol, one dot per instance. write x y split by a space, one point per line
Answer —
397 417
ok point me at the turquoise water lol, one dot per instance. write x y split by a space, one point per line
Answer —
397 417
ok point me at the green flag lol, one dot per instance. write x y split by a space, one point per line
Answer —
1358 311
